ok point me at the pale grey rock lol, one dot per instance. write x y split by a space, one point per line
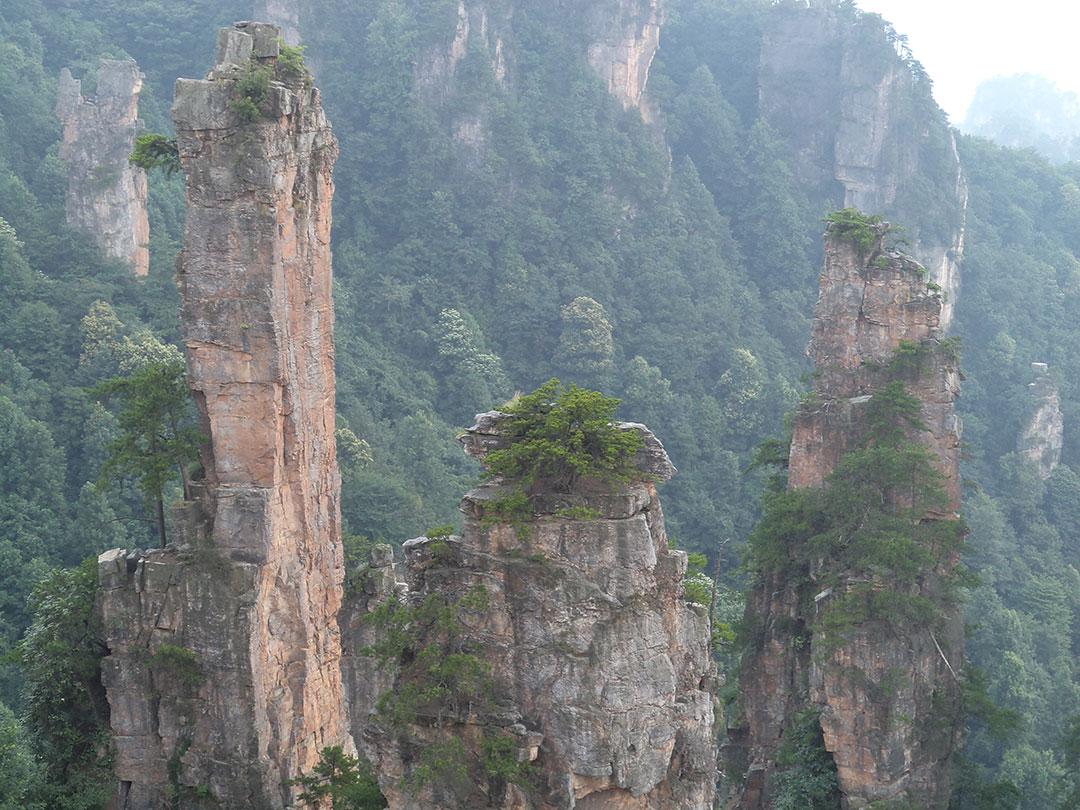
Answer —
106 195
600 667
1043 435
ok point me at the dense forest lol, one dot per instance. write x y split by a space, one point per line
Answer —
497 226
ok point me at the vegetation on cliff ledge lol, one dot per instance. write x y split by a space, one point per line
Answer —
560 435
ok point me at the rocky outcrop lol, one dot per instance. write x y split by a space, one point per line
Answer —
625 44
223 673
599 675
887 694
1042 438
106 196
858 113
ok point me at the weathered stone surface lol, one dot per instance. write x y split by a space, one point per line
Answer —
602 672
251 586
887 695
622 52
835 88
106 196
1043 435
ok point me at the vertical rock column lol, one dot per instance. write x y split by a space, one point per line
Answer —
106 195
888 696
224 666
627 38
600 674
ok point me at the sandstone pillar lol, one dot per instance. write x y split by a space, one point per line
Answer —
106 196
224 667
888 695
598 678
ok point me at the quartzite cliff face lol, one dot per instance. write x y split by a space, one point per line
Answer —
223 670
887 696
600 671
106 196
858 114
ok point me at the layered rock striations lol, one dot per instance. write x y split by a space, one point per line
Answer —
106 196
223 673
598 674
886 689
1043 435
857 110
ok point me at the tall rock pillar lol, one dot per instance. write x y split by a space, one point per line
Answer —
106 196
224 668
884 687
552 660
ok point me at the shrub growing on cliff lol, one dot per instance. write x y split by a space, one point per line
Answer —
251 92
155 151
862 230
864 532
560 435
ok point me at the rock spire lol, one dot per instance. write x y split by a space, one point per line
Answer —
224 669
598 672
886 691
106 196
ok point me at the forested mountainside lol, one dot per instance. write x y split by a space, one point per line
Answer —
509 210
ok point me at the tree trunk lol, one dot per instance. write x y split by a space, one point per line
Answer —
161 519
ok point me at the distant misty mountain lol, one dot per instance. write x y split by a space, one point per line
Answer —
1027 111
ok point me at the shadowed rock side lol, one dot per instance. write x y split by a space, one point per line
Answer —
854 108
1042 438
600 672
106 196
887 695
224 668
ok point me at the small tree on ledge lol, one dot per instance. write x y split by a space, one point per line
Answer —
562 434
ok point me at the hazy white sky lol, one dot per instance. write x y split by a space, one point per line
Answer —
963 42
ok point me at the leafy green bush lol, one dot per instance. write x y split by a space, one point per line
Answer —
862 230
155 151
348 782
806 774
290 63
251 92
560 435
179 662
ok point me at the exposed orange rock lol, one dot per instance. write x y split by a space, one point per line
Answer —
888 696
248 591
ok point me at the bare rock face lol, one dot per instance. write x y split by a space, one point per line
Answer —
224 667
106 196
628 36
859 114
887 696
600 675
1042 438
